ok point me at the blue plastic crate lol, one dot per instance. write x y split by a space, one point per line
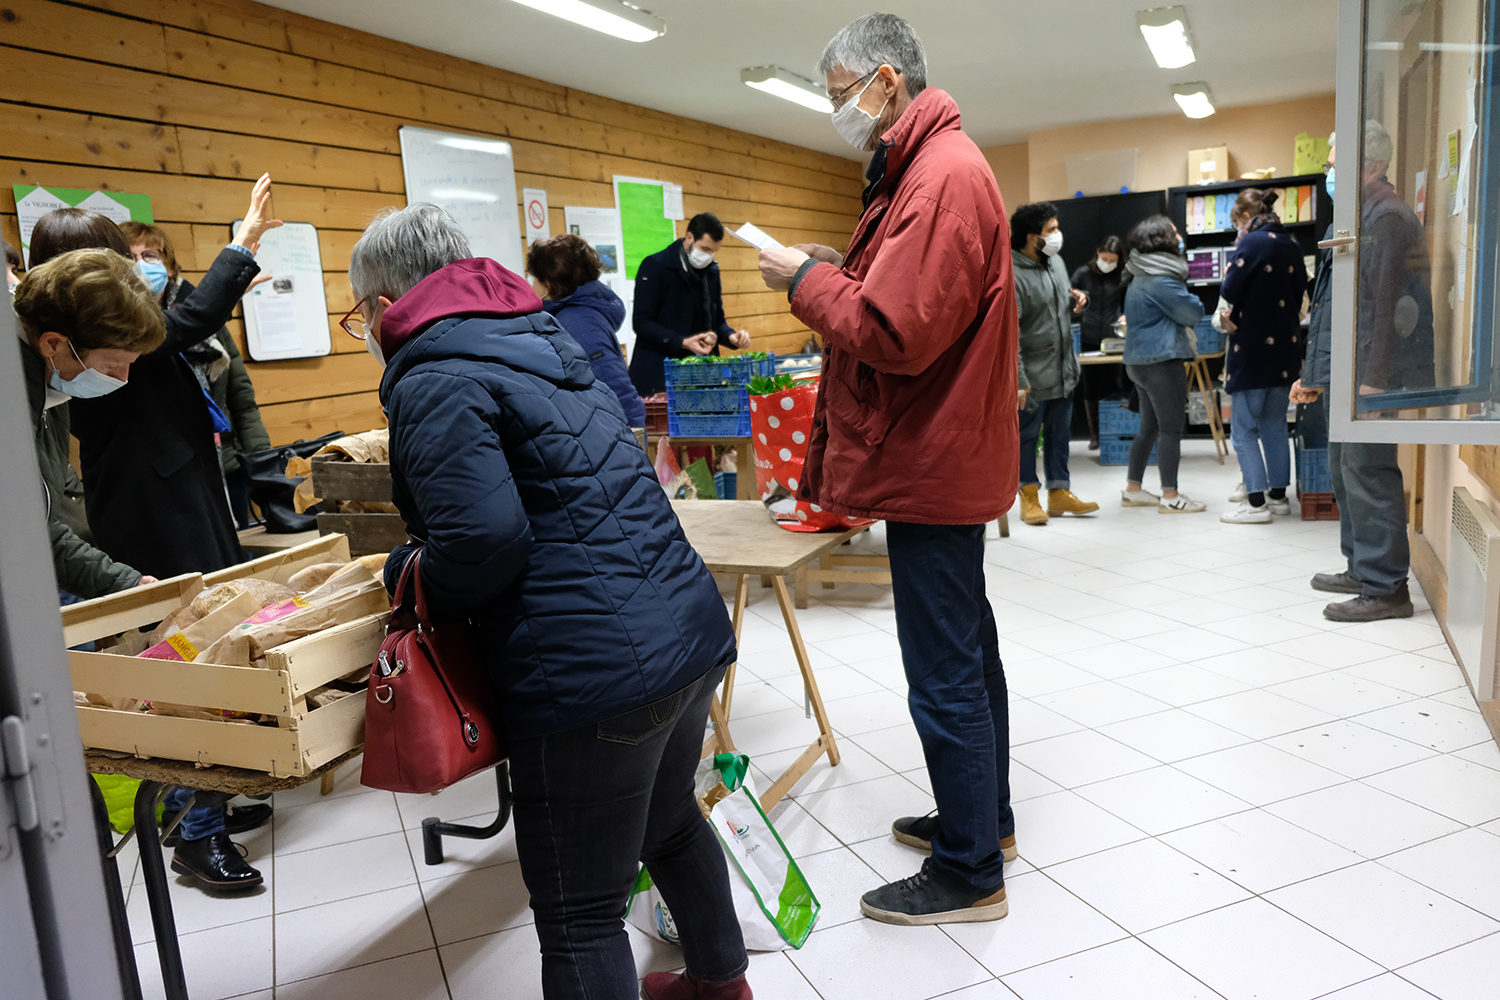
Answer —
1077 338
717 371
719 399
708 425
1114 449
1312 470
1210 341
726 484
1116 419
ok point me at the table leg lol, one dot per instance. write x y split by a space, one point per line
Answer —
826 562
741 598
158 895
744 476
329 777
800 583
130 977
1004 525
1199 372
825 742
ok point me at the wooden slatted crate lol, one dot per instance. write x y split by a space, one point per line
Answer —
367 481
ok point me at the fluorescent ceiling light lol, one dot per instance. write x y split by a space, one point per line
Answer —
476 145
1193 98
1166 32
609 16
786 85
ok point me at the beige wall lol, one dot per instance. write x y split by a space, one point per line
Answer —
1257 136
1011 165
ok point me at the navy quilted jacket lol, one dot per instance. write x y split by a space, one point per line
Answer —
1265 284
542 518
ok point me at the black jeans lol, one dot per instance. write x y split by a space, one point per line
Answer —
957 694
591 804
1164 394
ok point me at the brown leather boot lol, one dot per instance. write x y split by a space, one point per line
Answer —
1060 502
1031 505
682 986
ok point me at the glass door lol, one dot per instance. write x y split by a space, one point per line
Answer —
1413 248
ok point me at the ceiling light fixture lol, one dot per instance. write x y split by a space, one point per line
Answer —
1166 31
1194 99
786 85
612 17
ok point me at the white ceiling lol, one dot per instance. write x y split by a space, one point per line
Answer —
1014 67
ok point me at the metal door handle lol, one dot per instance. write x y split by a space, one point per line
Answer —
1341 241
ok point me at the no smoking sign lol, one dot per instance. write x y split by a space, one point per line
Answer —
534 201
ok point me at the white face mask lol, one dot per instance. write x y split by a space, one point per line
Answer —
700 258
1052 245
856 124
372 344
1106 266
87 384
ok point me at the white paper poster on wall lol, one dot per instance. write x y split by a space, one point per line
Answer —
600 228
474 179
534 210
287 317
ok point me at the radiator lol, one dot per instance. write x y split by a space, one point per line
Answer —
1474 590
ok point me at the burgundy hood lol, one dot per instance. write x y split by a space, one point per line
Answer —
475 287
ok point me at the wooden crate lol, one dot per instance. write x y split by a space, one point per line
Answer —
367 481
303 739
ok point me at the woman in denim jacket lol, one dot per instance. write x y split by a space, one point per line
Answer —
1159 316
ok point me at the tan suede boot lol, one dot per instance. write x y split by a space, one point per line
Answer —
1031 505
1060 502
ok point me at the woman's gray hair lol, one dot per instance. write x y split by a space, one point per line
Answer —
401 247
862 46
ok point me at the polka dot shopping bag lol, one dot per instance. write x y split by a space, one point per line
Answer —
780 424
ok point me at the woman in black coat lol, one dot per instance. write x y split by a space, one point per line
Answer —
151 475
1099 279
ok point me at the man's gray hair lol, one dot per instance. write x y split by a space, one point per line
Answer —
864 45
1378 144
401 247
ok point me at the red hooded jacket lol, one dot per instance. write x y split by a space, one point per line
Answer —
916 419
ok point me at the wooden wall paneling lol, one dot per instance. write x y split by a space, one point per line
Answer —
310 418
66 137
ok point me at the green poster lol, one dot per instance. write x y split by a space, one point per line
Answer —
644 227
33 202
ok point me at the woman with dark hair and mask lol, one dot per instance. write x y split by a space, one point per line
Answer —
1099 279
1159 314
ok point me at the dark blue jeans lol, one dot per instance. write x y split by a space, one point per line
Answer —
200 822
592 804
957 691
1052 419
1367 484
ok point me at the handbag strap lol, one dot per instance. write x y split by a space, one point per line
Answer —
399 600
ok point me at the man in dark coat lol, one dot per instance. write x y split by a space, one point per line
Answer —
679 305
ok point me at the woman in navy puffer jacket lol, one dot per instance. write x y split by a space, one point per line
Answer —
588 309
541 520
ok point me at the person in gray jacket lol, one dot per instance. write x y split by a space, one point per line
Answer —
1045 302
1367 481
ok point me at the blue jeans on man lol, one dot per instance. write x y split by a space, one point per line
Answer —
1052 420
1371 496
957 692
1258 428
200 821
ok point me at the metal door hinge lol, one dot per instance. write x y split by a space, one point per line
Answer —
18 774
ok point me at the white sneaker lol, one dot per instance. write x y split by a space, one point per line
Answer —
1240 494
1246 514
1138 498
1281 508
1181 504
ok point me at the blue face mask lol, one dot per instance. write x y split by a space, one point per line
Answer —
1181 246
87 384
1328 183
154 273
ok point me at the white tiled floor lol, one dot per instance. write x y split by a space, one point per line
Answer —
1219 794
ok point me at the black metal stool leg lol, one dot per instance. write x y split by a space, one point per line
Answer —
130 977
154 873
434 829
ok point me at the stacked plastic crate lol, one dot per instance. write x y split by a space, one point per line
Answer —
707 398
1118 427
1314 480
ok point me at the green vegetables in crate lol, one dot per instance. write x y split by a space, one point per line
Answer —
708 359
763 385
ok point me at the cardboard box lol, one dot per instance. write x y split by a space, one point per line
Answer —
303 739
1209 164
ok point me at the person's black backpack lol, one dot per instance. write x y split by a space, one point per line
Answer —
272 491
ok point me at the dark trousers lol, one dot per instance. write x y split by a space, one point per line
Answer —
237 484
201 820
1052 420
1163 389
591 804
957 691
1368 486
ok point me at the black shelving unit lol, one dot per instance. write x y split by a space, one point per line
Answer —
1086 221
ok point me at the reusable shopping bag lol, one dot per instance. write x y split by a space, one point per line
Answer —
775 905
780 424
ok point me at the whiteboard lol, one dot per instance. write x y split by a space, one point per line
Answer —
474 179
287 317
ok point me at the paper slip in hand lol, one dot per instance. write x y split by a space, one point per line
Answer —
748 233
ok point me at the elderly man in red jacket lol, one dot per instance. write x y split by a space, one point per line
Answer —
916 425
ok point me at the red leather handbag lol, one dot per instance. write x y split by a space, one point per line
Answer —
431 715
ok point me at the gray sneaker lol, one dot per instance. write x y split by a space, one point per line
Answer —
917 831
933 896
1337 583
1371 609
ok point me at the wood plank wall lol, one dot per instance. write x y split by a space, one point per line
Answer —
190 100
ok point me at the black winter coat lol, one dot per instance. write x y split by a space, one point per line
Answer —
1264 284
542 518
151 476
218 360
1106 304
665 299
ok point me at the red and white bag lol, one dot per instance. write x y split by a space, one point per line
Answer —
780 425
